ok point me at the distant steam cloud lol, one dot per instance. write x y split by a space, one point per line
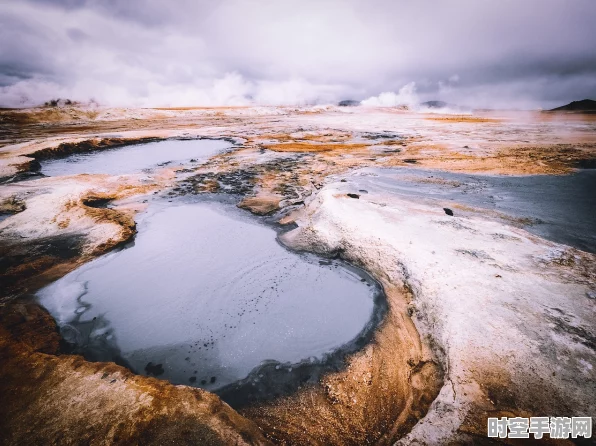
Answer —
230 90
406 96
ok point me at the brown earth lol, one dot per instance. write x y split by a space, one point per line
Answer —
49 398
385 389
261 205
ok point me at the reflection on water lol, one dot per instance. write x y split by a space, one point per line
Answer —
205 295
135 158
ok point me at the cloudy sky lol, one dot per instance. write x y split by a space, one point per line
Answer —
479 53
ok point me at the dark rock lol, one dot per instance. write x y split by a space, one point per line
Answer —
154 369
434 104
33 166
448 211
354 196
192 379
21 176
381 135
410 161
587 163
212 380
437 105
97 202
349 103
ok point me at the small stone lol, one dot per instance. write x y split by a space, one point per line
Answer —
448 211
591 294
155 370
354 196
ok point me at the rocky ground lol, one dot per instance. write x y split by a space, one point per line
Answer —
484 319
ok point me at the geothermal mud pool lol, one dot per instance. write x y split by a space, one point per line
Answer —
134 158
205 294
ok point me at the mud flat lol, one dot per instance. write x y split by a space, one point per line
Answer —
205 295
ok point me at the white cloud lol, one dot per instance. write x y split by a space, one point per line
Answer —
153 52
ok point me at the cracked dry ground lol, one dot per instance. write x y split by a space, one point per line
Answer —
281 160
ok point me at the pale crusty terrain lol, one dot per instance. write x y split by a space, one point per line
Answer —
512 314
470 304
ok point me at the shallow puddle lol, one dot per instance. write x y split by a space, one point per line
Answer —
135 158
561 208
206 295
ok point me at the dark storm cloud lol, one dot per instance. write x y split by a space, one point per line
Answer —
480 53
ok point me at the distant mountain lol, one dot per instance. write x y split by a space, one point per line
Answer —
434 104
585 105
348 103
442 107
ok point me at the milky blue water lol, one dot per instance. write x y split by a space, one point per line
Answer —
135 158
207 294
